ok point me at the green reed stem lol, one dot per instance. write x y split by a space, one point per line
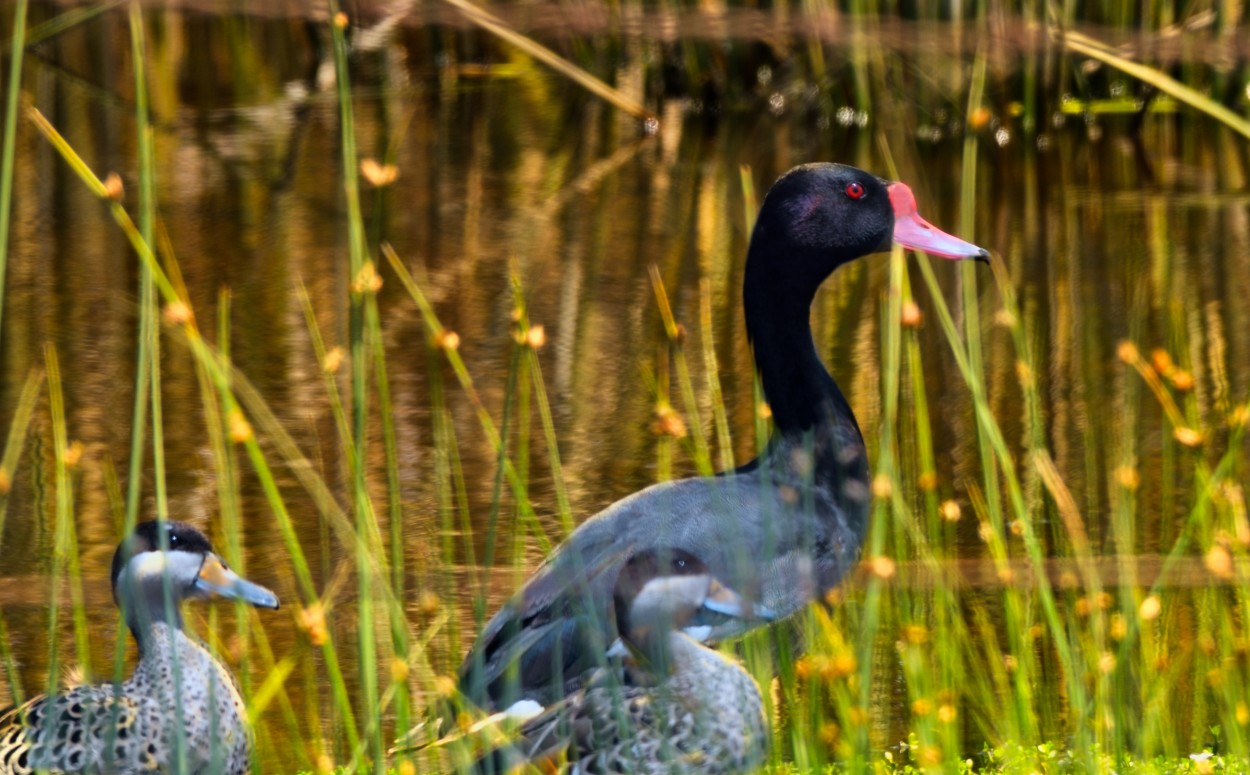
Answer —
923 430
148 371
330 362
10 140
65 533
443 337
711 367
16 439
676 336
362 283
564 507
563 504
495 26
395 514
886 473
1094 49
218 408
496 491
523 446
442 430
58 24
11 674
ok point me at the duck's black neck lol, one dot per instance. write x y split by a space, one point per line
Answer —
800 393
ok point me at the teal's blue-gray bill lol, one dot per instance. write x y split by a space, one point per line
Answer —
217 579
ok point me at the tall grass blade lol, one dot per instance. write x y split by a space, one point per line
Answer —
16 439
13 95
496 26
1086 46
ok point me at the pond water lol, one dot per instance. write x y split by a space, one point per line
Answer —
1107 229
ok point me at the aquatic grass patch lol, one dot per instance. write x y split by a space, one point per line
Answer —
13 94
965 671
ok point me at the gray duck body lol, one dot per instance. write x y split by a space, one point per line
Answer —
677 707
783 529
180 710
808 528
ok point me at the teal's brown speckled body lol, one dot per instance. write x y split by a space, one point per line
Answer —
680 709
179 711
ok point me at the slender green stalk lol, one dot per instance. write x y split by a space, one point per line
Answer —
531 344
22 415
11 675
884 478
495 26
362 283
10 140
511 390
65 554
724 439
61 22
1160 80
444 485
676 336
449 342
147 368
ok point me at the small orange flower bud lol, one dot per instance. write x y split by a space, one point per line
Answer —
367 280
378 175
177 313
911 316
1187 436
325 765
1219 562
882 487
240 428
1106 662
1161 361
1128 477
73 454
882 567
447 340
333 360
668 422
399 671
113 188
312 622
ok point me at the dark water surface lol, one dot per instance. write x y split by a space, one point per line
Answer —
1105 234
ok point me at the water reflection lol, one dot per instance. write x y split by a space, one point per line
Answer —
1124 236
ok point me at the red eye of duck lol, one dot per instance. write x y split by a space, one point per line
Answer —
854 190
